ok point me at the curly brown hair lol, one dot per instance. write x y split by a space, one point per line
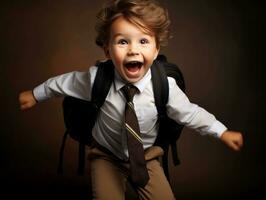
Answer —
149 15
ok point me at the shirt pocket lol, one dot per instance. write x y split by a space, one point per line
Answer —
147 117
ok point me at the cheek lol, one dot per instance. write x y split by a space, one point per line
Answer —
117 59
116 55
150 58
151 53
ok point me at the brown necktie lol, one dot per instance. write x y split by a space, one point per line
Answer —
138 170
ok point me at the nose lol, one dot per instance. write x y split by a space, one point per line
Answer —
133 49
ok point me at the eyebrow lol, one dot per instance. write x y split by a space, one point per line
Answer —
118 34
125 34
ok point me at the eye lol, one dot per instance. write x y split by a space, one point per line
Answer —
144 41
122 41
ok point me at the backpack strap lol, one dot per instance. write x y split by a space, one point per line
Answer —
160 87
169 130
101 86
161 94
102 83
173 71
103 80
61 153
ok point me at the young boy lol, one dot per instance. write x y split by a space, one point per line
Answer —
130 32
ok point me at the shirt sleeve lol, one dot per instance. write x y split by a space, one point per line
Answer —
76 84
180 109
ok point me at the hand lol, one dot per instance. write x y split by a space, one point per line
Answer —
233 139
26 100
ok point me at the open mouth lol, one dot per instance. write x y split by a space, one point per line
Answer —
133 66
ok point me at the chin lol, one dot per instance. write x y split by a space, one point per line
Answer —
132 80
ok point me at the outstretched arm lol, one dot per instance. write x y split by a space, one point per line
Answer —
232 139
26 100
76 84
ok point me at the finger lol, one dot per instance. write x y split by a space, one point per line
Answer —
239 140
239 143
21 97
22 107
234 146
25 106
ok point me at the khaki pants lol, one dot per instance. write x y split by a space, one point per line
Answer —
109 176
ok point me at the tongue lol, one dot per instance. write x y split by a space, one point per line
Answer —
132 68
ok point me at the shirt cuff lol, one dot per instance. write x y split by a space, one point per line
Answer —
39 93
217 129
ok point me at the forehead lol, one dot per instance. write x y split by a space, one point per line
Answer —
122 25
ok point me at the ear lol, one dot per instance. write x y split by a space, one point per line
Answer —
106 51
156 53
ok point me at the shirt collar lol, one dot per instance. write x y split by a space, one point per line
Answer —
141 84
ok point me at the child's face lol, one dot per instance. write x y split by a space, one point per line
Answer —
131 50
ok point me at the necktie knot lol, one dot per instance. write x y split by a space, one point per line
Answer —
129 91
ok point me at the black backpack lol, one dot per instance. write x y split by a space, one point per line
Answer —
80 115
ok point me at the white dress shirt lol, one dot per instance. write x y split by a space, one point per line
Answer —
108 130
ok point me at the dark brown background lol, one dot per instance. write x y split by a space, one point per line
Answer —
217 44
